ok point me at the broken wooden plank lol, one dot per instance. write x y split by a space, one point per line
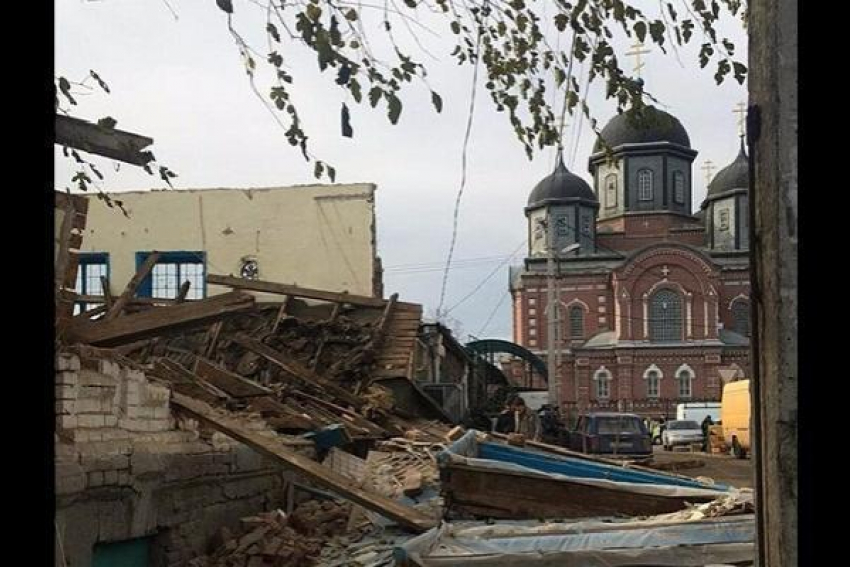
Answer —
159 321
107 294
281 313
212 338
233 384
132 286
295 291
297 370
271 448
102 141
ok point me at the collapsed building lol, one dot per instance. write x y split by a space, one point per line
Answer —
268 424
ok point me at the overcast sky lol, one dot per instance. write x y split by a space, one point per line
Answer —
181 82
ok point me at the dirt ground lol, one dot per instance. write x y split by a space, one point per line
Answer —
722 468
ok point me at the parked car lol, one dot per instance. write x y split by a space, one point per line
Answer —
611 434
735 414
681 432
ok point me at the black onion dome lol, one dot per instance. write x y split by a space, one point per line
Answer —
560 185
644 126
736 175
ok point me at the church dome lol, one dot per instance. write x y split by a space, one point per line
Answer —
560 185
643 127
736 175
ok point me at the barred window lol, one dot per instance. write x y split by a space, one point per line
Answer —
652 380
645 185
741 317
665 316
92 267
685 383
576 321
679 187
603 384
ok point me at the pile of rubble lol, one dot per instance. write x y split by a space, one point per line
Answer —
275 539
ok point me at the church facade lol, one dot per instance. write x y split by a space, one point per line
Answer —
652 299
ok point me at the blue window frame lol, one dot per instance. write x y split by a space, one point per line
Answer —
92 266
169 273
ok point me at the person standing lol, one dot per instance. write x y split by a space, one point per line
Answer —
526 421
505 420
706 429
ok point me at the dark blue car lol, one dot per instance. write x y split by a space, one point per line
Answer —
611 434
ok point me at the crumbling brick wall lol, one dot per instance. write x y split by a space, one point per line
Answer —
128 467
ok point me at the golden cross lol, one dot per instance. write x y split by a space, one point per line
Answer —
708 167
741 111
637 51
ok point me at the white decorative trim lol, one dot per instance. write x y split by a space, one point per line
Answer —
687 368
665 283
651 368
600 371
576 300
743 296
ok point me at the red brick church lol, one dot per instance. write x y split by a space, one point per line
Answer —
652 298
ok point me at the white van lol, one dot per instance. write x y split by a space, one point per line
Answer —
696 411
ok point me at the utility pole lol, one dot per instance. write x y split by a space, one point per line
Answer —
551 310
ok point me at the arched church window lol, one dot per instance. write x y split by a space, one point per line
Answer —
652 383
611 191
645 185
741 317
665 316
724 220
679 187
686 383
602 377
576 322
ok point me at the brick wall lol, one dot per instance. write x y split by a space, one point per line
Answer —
127 467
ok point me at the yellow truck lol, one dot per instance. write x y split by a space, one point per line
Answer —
735 417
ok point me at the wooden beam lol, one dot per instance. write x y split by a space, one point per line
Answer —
132 286
162 320
234 385
314 363
272 449
107 294
101 141
295 369
295 291
212 335
281 312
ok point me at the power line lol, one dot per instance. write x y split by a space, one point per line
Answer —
466 136
486 279
493 313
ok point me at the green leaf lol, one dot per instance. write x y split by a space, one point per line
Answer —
374 96
331 173
672 11
318 169
455 27
272 31
226 5
656 30
437 101
100 81
346 122
561 21
640 30
275 59
393 108
314 12
351 16
410 3
354 87
65 87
